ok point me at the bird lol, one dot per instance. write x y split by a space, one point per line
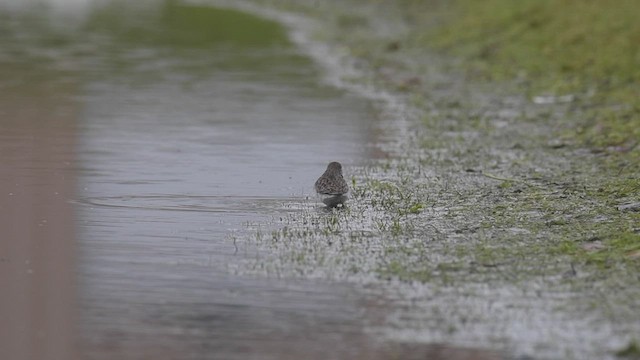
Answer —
331 182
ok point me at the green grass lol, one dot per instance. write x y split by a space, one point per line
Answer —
587 49
584 48
179 26
621 246
632 351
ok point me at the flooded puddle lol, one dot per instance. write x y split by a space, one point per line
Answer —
178 158
180 129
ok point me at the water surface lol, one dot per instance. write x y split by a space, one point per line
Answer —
183 125
201 130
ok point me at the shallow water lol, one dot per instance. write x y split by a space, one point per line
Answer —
176 134
171 169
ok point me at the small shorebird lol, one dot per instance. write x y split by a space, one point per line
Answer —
332 183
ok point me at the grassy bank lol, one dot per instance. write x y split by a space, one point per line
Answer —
587 52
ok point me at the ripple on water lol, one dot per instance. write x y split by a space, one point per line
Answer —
203 203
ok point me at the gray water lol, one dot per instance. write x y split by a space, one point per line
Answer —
183 126
172 168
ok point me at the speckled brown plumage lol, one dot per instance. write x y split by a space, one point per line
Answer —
332 182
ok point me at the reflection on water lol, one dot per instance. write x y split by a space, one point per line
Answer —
213 204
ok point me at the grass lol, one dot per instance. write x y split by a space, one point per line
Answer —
632 351
588 49
583 52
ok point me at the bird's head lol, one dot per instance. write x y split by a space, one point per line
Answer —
335 166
